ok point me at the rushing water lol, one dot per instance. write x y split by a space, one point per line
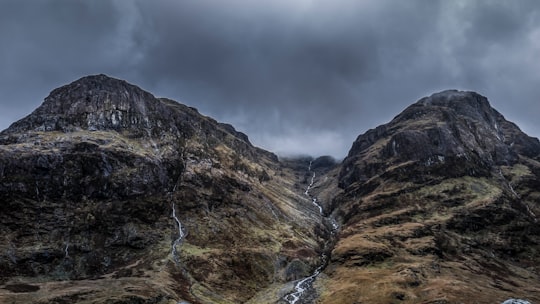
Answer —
306 283
516 301
181 235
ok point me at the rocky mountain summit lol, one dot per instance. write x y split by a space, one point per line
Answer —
97 103
448 127
111 195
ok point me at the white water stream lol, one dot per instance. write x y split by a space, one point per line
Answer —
181 235
302 285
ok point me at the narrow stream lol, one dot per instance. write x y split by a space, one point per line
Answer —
307 283
181 235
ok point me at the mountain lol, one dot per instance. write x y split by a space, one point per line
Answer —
111 195
440 205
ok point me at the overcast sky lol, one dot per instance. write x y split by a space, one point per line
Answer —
297 76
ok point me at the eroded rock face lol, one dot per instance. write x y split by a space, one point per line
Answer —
87 186
100 103
459 129
439 205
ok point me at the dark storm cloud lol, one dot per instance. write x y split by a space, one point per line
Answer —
296 76
304 63
281 60
48 43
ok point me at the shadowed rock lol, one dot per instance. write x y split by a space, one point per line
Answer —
456 130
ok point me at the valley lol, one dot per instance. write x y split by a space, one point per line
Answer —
303 289
111 195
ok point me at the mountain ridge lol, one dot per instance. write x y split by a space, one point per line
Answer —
99 102
105 185
471 129
94 202
442 196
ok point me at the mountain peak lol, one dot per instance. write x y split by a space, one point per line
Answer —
449 97
465 103
96 102
102 103
456 126
99 83
96 93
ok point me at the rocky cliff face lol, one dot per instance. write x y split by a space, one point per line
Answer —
111 195
451 128
438 206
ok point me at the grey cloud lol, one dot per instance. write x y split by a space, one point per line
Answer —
293 75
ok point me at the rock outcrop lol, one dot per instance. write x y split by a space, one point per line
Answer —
458 130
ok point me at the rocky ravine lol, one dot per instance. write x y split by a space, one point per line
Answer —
111 195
